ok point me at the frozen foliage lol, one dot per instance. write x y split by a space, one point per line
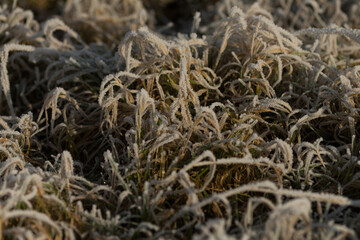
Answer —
115 126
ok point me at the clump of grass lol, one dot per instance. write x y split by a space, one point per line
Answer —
245 127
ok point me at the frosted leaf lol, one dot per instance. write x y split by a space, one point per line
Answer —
67 168
5 84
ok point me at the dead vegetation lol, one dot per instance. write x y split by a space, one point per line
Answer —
115 126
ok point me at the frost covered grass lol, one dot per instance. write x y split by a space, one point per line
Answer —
114 125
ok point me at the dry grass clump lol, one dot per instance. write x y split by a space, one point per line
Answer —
114 126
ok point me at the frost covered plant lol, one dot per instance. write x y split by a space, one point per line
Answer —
115 126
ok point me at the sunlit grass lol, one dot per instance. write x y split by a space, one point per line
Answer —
114 126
